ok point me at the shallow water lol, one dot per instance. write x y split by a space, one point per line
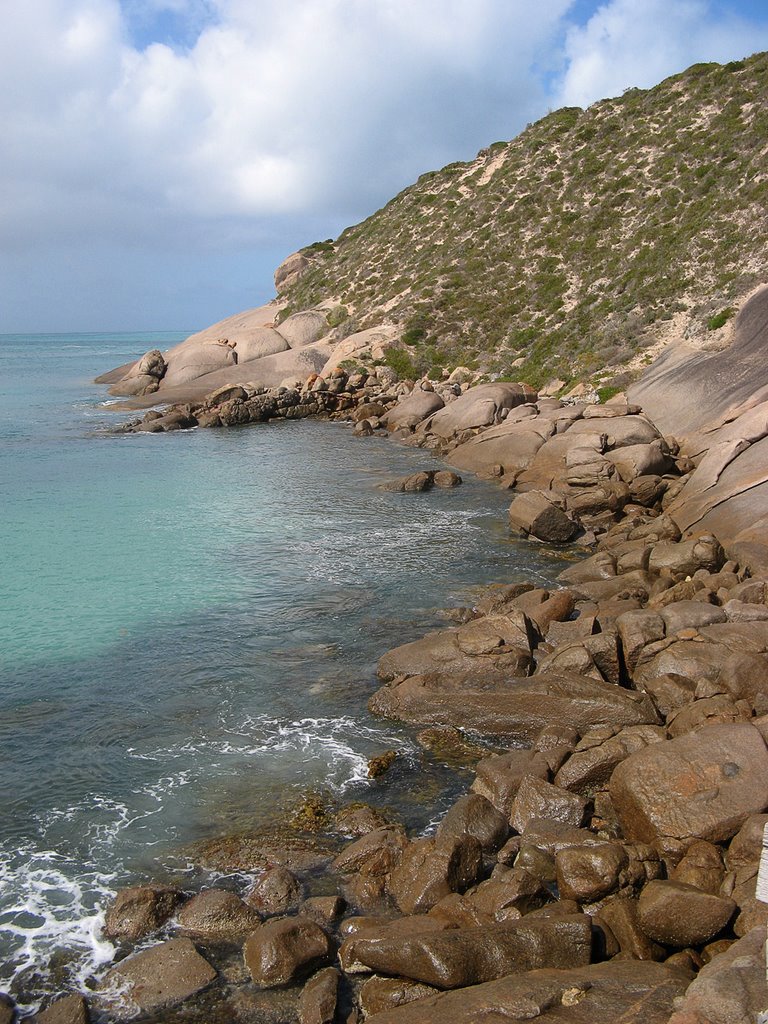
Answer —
189 630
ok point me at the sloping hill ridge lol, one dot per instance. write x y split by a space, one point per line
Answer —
575 246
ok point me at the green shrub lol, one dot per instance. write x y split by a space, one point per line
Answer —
401 363
720 319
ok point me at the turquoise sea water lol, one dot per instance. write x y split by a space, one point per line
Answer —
188 633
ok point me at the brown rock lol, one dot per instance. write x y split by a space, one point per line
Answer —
515 708
468 956
746 846
379 765
614 992
499 776
140 910
684 558
703 785
285 948
592 763
538 799
163 975
446 478
217 914
376 853
679 915
588 873
730 989
473 815
68 1010
431 869
380 994
277 891
325 910
701 867
7 1010
534 513
509 896
318 999
620 915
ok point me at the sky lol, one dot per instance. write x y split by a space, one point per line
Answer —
159 158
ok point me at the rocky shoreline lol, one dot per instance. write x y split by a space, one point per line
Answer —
602 864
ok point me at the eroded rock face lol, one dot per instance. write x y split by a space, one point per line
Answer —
699 786
536 514
285 948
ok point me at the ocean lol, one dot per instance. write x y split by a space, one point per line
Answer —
189 629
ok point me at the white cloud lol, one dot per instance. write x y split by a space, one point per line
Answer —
276 108
640 42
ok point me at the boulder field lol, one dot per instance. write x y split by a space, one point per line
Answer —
602 864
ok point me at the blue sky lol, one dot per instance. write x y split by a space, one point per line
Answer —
160 157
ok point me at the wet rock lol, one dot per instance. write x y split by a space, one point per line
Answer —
469 956
325 910
376 853
380 994
140 910
473 815
217 914
283 949
317 1003
433 868
636 631
68 1010
680 915
7 1009
538 799
537 513
589 873
413 483
703 785
277 891
701 867
513 708
610 992
731 988
592 763
446 478
359 819
255 851
451 746
381 763
509 896
619 914
164 975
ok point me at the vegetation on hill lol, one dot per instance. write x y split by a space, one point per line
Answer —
562 252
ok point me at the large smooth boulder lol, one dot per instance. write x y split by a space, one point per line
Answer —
679 915
469 956
303 328
285 948
703 785
218 914
410 411
277 891
481 406
161 976
619 992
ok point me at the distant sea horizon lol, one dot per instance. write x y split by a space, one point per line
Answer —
189 635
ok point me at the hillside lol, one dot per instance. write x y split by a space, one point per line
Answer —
571 249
